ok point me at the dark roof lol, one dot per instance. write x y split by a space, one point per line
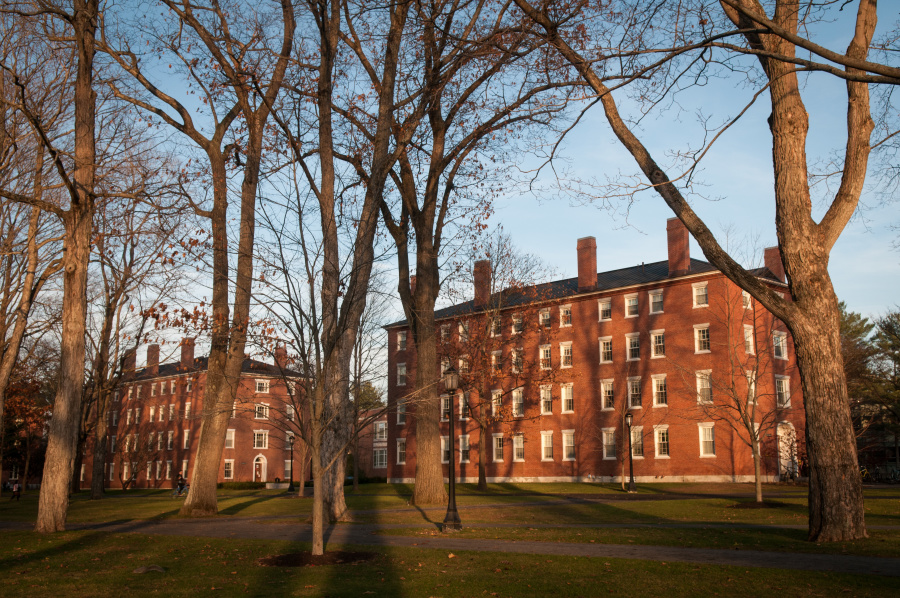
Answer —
201 364
606 281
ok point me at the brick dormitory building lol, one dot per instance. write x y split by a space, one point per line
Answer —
548 374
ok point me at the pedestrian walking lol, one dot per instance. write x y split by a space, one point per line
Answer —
17 491
179 485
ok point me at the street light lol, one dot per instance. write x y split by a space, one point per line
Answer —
291 486
451 520
628 419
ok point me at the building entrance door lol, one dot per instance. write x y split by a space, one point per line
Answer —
259 469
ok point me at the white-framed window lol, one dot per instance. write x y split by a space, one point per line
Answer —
172 412
190 385
567 398
634 392
779 340
496 403
159 441
152 413
168 470
657 344
464 406
445 407
288 440
544 318
545 351
229 469
137 415
287 469
515 358
463 448
290 412
707 439
187 440
606 349
187 410
445 365
380 430
445 449
162 413
464 364
401 340
608 394
631 305
261 411
546 446
229 438
401 374
746 300
379 458
463 328
519 447
565 316
130 389
83 468
546 400
518 402
656 301
568 440
751 386
748 340
401 414
260 439
445 335
609 443
128 417
170 440
126 469
401 451
604 307
184 468
496 361
116 396
701 338
172 387
633 346
114 418
138 393
704 387
159 470
660 390
565 354
637 442
518 325
150 443
661 440
496 326
262 386
701 294
149 470
498 448
783 391
153 389
111 469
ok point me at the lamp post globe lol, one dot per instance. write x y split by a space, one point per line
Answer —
451 520
291 485
629 418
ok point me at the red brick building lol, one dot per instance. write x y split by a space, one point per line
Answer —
674 344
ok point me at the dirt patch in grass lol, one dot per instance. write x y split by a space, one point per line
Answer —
306 559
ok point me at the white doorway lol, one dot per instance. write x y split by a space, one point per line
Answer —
259 469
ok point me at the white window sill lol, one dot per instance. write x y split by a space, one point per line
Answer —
572 459
605 320
707 456
565 367
705 403
702 352
463 462
637 457
498 460
565 325
781 358
546 460
701 306
608 409
655 406
636 407
657 357
518 460
609 458
653 313
546 413
663 457
634 316
604 362
401 463
567 412
401 384
785 406
633 359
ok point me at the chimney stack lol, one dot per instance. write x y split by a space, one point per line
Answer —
587 264
281 357
153 359
482 275
679 247
187 353
129 363
772 257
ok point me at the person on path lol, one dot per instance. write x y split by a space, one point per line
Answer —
179 485
17 491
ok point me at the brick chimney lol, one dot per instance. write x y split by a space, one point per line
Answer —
281 357
587 264
187 353
129 363
482 275
679 247
153 359
774 263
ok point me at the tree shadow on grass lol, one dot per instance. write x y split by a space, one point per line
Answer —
245 504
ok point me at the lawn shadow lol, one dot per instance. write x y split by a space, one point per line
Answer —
243 505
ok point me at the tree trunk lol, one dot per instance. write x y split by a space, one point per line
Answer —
301 489
429 489
482 459
100 440
27 462
336 436
318 512
356 464
76 467
757 467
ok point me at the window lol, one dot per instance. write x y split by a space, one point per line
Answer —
229 469
609 443
631 305
748 340
445 449
704 387
401 414
401 451
660 392
172 387
401 374
229 438
751 386
656 302
190 385
464 406
168 470
545 357
114 417
171 412
287 469
464 365
516 359
464 448
637 442
605 308
707 439
159 470
463 332
262 386
290 412
780 341
261 411
747 300
546 400
565 351
380 430
149 469
517 324
498 448
112 472
496 403
497 361
544 318
568 400
518 403
379 458
170 440
546 446
187 440
519 447
445 365
657 343
138 393
125 469
606 390
701 295
153 389
137 415
116 396
633 343
150 441
152 413
130 388
401 340
661 437
701 338
496 326
159 441
783 391
568 437
606 351
128 417
445 407
260 439
187 411
565 315
445 334
634 393
112 444
83 467
162 413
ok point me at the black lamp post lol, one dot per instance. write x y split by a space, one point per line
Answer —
451 520
291 486
628 420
